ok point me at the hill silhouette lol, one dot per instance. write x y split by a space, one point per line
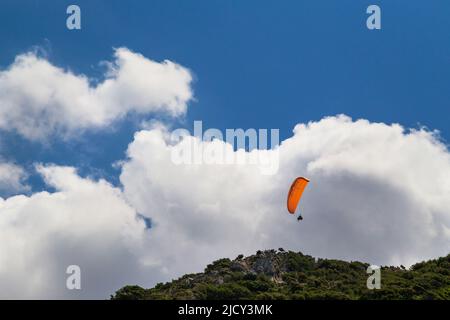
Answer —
283 274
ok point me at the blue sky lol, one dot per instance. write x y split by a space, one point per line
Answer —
257 64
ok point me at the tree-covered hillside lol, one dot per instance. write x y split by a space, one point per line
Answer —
288 275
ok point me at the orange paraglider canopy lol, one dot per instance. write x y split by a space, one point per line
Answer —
295 193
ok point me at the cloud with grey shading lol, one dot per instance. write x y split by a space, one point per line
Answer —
86 223
12 178
39 99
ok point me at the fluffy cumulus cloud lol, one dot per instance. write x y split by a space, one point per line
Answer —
38 99
85 223
378 193
12 178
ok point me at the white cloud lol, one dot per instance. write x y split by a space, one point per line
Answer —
84 222
38 99
377 194
12 178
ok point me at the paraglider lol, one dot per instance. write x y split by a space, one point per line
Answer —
295 194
